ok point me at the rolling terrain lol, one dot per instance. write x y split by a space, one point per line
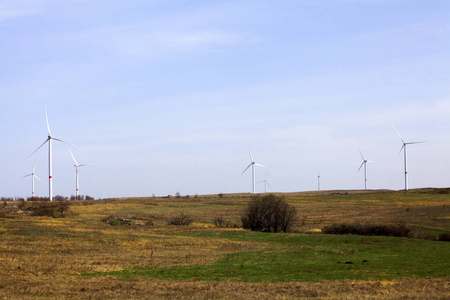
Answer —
125 248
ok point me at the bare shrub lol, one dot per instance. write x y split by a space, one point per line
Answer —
128 219
269 213
220 222
444 237
62 206
181 219
46 208
23 205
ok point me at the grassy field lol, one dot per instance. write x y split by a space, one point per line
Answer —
80 256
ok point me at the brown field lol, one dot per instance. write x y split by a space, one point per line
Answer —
39 256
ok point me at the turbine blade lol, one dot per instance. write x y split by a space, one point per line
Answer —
246 169
249 152
361 154
59 140
361 165
415 142
398 134
404 144
268 184
259 165
25 176
38 178
39 147
261 181
71 154
46 119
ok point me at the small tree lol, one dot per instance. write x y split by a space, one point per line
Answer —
268 213
62 206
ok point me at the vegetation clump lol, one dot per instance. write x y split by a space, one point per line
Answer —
52 209
128 219
220 222
181 219
399 230
444 237
269 213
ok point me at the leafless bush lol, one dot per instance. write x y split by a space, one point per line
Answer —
129 219
220 222
181 219
46 208
269 213
444 237
62 206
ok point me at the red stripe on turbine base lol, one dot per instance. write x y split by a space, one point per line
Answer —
50 177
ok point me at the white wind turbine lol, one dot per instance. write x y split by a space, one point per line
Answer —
265 183
252 164
318 182
364 163
33 175
49 140
405 155
76 165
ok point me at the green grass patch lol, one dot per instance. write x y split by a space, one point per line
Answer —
296 258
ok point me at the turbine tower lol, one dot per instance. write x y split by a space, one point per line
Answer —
252 164
364 163
265 183
49 140
405 155
76 165
318 182
33 175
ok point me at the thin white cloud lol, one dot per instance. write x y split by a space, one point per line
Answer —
145 44
10 9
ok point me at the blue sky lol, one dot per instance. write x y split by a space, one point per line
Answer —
167 96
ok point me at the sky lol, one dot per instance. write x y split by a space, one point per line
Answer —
166 97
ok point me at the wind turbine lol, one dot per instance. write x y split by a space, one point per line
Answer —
49 140
76 165
265 183
364 163
252 164
405 155
318 182
33 175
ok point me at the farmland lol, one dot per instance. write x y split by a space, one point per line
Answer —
86 255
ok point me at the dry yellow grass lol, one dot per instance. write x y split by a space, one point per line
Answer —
40 255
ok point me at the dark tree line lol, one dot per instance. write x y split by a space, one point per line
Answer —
55 198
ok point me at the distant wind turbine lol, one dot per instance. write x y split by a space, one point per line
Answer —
76 165
33 175
265 183
252 164
49 140
318 182
364 163
405 155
